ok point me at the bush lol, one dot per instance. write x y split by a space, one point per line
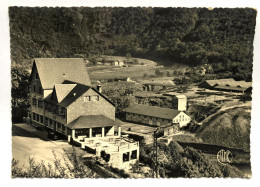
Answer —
120 172
40 170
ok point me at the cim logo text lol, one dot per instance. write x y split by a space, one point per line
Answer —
224 157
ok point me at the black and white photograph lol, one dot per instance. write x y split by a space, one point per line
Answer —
131 92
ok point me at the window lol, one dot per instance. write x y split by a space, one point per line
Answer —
34 88
125 157
134 155
40 103
41 119
34 116
37 117
46 121
34 101
87 99
61 111
96 98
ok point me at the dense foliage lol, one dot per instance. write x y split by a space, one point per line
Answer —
221 37
230 128
19 92
175 161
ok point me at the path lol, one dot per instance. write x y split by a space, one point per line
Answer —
224 108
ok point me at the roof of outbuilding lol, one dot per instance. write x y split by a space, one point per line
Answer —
56 70
219 81
242 84
90 121
173 94
230 88
153 111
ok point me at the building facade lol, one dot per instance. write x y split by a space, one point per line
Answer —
156 116
64 102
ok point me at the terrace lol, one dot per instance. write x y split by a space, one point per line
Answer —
109 144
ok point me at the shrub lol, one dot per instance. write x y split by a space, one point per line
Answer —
39 170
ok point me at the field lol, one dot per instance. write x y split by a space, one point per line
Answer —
135 71
121 58
112 72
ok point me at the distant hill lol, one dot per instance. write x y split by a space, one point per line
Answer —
222 37
230 128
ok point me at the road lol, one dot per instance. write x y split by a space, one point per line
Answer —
29 142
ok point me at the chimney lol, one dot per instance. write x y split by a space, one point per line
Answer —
99 88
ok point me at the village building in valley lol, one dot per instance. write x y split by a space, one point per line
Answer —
157 116
226 85
64 102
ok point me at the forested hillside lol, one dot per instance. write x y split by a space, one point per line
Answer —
221 37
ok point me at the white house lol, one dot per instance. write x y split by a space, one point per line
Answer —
156 116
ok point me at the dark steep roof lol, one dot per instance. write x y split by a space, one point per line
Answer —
62 90
74 94
75 91
153 111
56 70
91 121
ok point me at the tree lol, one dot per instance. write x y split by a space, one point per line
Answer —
128 56
93 61
158 73
136 61
19 92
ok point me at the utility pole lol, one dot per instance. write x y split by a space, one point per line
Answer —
155 151
155 155
154 133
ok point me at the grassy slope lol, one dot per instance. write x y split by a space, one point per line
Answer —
230 128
